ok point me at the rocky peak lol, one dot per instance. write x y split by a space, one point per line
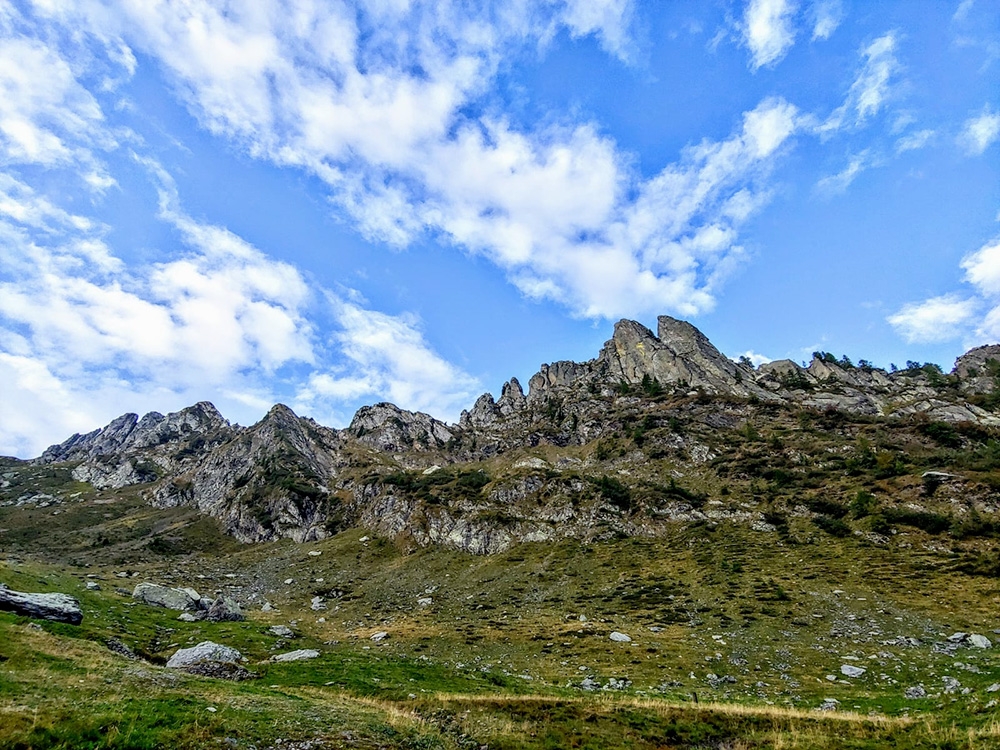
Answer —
388 428
974 363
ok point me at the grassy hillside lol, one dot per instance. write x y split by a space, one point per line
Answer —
809 542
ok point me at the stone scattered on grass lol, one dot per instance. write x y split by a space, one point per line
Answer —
379 636
980 641
54 607
206 651
282 631
620 637
225 609
912 693
849 670
163 596
298 655
209 659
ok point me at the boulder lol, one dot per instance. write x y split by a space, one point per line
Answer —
225 609
162 596
205 652
849 670
54 607
282 631
620 637
298 655
980 641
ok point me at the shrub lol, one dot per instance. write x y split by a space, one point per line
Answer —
932 523
863 504
832 526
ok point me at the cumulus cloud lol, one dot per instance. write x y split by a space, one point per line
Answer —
47 117
768 30
387 356
384 105
980 132
955 316
934 320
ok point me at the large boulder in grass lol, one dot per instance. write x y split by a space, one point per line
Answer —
204 652
163 596
209 659
54 607
225 609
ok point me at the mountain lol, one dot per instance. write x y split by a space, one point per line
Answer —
657 429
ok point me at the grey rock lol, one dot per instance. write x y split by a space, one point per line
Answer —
298 655
915 692
379 636
980 641
620 637
191 616
163 596
118 647
957 637
225 609
204 652
282 631
849 670
53 607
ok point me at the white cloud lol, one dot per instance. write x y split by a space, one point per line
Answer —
872 86
951 316
838 183
933 320
388 120
914 141
826 15
962 11
980 132
768 30
388 357
982 268
755 359
609 19
46 116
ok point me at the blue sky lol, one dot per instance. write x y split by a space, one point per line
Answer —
334 203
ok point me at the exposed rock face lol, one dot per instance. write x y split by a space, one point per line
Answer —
393 470
54 607
680 353
388 428
269 481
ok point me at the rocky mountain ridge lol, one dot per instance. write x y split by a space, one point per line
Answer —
594 448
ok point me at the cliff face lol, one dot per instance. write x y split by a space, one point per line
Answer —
592 450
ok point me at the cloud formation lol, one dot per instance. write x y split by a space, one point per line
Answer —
980 132
974 318
385 104
768 30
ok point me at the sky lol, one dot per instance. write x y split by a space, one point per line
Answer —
329 204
